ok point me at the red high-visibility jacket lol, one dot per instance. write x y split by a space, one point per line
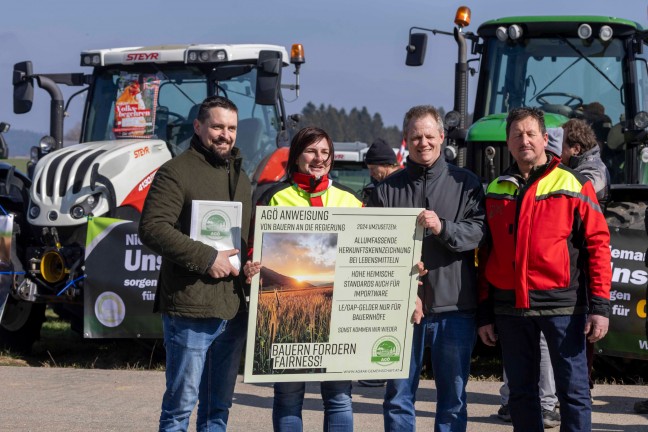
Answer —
549 245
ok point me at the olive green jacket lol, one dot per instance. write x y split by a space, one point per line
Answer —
185 289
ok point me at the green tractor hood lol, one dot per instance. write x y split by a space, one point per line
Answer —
492 128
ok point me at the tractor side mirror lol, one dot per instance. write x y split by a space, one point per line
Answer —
23 83
268 83
416 49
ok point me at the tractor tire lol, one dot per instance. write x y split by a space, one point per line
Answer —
21 325
626 214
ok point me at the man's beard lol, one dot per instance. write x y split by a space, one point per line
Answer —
220 151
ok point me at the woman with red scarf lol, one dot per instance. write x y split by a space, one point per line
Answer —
307 184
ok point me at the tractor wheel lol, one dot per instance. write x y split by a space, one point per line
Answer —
626 214
21 325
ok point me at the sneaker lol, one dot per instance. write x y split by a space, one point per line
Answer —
504 414
641 407
372 383
550 418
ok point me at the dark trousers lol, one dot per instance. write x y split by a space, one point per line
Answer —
520 341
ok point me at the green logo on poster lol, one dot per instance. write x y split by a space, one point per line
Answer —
215 225
109 309
386 351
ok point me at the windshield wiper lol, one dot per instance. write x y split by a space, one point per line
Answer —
172 82
588 60
556 78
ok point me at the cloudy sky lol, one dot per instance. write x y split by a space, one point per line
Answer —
303 256
355 50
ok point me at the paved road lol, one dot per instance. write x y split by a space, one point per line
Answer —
69 400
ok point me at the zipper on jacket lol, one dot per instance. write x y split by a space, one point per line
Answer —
424 203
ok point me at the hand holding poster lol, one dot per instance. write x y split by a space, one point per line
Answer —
335 295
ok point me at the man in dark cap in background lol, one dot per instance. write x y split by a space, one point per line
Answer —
381 161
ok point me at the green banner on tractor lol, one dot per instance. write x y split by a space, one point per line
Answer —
122 277
627 334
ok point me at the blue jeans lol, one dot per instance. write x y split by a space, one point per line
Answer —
451 336
520 339
202 361
289 398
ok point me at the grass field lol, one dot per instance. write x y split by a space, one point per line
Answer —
19 163
61 347
299 316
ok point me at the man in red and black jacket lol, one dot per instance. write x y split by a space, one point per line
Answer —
545 269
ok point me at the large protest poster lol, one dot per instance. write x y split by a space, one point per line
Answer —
136 105
122 277
336 293
627 335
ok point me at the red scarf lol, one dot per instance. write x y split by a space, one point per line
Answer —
314 186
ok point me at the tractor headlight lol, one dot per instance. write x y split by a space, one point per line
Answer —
584 31
641 120
515 32
34 211
450 152
644 155
501 33
452 119
47 144
605 33
77 212
34 155
85 208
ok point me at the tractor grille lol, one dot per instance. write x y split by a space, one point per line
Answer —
61 169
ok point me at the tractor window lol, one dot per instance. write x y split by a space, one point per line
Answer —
642 87
173 105
556 74
177 91
642 99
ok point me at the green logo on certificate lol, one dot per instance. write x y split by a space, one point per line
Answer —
385 351
215 225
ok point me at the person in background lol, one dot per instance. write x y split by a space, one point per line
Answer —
581 152
547 268
546 384
452 200
601 123
310 158
200 293
381 161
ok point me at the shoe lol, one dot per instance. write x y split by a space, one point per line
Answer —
550 418
641 407
372 383
504 414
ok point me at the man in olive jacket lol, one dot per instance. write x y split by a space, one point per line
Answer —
200 293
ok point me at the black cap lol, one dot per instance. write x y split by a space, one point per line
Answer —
380 153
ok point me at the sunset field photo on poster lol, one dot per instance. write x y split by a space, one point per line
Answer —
335 295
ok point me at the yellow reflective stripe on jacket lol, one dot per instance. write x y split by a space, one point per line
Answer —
558 181
333 197
502 188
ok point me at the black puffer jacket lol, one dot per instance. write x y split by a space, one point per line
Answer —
457 196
